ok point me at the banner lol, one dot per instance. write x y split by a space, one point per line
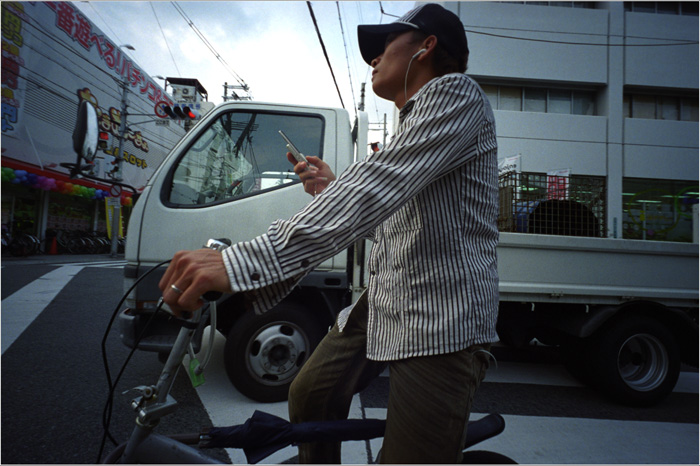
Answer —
509 165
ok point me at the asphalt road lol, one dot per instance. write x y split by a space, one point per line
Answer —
54 387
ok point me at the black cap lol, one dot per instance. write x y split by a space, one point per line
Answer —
430 18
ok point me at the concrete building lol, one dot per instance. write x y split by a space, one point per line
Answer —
605 91
54 58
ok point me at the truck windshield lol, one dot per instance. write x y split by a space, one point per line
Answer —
242 154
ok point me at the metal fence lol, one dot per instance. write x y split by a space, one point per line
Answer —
552 205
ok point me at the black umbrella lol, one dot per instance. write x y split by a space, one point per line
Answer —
263 434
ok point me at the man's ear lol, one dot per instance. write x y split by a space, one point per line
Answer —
429 45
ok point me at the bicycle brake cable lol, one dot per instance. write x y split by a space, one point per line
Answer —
107 411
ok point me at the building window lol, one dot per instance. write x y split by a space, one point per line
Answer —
669 108
658 210
564 4
559 102
689 109
583 103
510 98
660 107
667 8
535 100
540 100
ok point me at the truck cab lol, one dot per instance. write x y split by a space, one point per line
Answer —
229 178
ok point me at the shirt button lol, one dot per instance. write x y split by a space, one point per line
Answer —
255 276
305 263
373 272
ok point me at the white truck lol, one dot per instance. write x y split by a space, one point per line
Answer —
625 312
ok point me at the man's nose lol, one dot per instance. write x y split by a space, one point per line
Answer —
375 62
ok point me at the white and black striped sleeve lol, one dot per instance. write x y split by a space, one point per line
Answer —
444 121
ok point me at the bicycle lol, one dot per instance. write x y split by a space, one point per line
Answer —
24 244
262 435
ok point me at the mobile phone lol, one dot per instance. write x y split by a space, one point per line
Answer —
292 148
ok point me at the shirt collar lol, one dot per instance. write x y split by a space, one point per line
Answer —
406 109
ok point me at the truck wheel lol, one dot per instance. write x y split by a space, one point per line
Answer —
638 361
263 353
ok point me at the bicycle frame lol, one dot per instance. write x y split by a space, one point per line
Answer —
156 402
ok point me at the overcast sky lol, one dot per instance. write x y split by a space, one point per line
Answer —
272 46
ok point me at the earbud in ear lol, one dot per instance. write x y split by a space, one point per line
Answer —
418 53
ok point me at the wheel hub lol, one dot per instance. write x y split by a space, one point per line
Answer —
274 355
278 355
643 362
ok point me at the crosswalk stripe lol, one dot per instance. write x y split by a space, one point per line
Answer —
94 264
23 306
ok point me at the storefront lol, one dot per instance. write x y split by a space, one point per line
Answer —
42 203
42 89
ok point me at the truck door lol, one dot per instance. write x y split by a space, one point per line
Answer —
230 178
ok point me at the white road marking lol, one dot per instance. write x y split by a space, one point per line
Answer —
227 407
23 306
557 440
527 439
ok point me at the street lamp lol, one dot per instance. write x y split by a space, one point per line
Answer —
165 81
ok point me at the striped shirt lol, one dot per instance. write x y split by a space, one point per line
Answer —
429 201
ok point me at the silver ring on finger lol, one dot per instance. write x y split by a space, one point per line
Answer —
176 289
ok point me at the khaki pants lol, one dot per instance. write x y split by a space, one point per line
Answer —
429 397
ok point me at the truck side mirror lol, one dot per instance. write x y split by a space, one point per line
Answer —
85 136
86 133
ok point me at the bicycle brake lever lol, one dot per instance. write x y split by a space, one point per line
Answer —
186 320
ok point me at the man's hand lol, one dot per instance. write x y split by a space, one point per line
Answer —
190 275
317 177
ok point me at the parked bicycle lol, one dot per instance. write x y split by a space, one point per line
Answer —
260 436
84 242
23 244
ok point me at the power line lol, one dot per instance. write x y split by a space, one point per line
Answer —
347 59
503 36
381 8
106 23
325 53
78 72
209 46
67 58
164 39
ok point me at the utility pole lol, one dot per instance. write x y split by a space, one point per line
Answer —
116 208
362 98
384 132
235 96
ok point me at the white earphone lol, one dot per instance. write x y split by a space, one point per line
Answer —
405 81
418 53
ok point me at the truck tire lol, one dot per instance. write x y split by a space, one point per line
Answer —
263 353
637 360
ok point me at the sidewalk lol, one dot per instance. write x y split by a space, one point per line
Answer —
58 258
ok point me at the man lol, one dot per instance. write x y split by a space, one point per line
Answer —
429 202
